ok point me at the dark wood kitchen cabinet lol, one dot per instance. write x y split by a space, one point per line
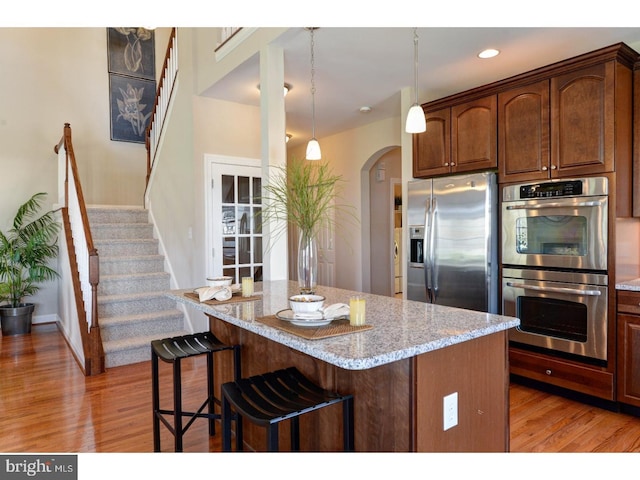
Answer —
523 133
628 384
570 119
432 148
572 375
591 119
574 124
459 138
474 135
636 139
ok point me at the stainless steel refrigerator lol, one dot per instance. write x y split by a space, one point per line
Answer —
452 252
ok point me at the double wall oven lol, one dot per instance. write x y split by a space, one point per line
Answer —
554 265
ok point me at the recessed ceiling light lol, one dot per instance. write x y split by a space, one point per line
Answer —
488 53
365 109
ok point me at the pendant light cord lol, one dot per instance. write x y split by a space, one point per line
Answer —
415 61
313 88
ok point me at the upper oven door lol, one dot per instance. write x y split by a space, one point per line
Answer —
569 232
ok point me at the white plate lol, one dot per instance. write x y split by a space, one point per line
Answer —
288 316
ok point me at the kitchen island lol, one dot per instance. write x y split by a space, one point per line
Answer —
399 371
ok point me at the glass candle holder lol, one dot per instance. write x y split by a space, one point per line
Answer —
356 311
247 286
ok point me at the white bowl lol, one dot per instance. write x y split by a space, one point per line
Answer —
306 303
219 281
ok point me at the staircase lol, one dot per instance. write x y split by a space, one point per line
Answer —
132 309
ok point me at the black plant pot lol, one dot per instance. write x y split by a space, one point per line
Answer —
16 320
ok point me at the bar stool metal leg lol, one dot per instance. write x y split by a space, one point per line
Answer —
210 394
272 438
295 434
155 389
177 406
347 425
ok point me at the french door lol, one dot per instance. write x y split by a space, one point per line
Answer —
234 230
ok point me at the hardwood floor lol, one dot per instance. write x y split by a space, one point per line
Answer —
47 405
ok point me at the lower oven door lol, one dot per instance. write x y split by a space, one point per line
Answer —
559 311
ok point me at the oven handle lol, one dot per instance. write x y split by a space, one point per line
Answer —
538 206
574 291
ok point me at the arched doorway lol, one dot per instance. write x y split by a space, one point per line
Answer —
381 193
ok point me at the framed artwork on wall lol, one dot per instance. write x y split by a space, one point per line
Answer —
131 51
132 85
131 101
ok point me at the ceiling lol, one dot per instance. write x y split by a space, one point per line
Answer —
362 66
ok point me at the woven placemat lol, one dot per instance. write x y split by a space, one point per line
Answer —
335 328
233 299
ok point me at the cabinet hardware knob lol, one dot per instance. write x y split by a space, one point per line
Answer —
446 164
548 372
453 164
544 169
553 167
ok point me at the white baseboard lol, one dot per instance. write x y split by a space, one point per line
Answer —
50 318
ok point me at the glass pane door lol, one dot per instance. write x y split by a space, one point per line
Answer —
236 232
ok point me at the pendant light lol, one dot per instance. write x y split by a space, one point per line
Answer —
415 118
313 147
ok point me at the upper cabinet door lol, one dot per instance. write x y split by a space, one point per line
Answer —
432 148
583 122
474 135
523 133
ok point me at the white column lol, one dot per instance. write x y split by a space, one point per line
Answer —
407 97
274 153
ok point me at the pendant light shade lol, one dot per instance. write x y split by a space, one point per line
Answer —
415 118
313 147
416 122
313 150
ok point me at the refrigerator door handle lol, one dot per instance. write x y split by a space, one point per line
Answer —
427 260
432 251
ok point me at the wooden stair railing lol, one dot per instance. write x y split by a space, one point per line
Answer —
164 93
83 258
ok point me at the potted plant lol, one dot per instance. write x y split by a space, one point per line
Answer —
25 251
304 194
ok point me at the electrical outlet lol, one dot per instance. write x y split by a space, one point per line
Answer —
450 411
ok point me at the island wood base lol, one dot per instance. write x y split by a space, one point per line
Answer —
398 406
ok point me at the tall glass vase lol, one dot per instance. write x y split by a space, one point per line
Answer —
307 262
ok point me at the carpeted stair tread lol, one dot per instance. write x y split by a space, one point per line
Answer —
132 350
139 317
132 306
142 340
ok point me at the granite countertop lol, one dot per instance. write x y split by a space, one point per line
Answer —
401 328
633 285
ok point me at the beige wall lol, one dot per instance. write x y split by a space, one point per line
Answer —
50 87
381 206
351 154
51 76
197 126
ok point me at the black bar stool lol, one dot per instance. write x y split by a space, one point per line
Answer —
173 350
270 398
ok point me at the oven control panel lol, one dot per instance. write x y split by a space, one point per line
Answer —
567 187
551 189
